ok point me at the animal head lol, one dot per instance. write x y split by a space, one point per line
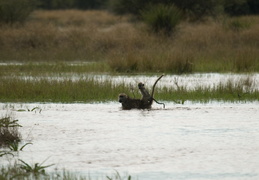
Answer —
123 97
140 85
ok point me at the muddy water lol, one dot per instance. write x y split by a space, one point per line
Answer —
191 141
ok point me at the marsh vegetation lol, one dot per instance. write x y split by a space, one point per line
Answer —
222 44
59 56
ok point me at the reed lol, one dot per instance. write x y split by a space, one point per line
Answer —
216 45
54 90
87 89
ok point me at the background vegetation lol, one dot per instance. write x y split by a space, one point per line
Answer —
223 44
88 89
190 36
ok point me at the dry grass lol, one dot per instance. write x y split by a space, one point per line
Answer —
226 44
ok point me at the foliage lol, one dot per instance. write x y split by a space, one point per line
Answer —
13 11
162 18
97 41
194 10
9 131
117 176
90 90
14 146
35 169
66 4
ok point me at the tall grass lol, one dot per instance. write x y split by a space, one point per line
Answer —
216 45
67 90
91 90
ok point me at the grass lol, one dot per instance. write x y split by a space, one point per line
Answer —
122 45
9 131
14 171
66 42
88 89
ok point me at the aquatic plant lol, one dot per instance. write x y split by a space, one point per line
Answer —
14 146
35 169
31 110
88 89
9 130
117 176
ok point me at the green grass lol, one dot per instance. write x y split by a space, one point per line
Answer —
87 89
31 172
67 90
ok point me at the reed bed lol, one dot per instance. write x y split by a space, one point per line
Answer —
215 45
87 89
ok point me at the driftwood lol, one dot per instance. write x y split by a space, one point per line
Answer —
144 103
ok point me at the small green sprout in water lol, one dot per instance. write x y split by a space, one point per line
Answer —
31 110
15 146
35 169
117 176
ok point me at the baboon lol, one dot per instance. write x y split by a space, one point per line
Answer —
146 97
144 103
129 103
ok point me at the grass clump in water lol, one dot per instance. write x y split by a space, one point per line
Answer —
9 131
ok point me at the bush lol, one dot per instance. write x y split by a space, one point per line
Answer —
12 11
162 18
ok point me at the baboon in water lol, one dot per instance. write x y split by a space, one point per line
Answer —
144 103
129 103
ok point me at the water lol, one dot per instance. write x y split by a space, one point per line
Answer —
190 141
189 81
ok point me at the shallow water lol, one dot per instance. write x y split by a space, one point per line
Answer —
188 81
191 141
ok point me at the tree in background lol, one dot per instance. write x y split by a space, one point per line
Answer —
75 4
253 6
162 18
236 7
192 9
56 4
13 11
196 9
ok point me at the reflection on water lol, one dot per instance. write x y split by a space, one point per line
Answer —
191 141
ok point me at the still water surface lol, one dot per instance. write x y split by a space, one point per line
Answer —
191 141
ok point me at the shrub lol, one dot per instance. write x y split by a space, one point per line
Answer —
162 18
12 11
